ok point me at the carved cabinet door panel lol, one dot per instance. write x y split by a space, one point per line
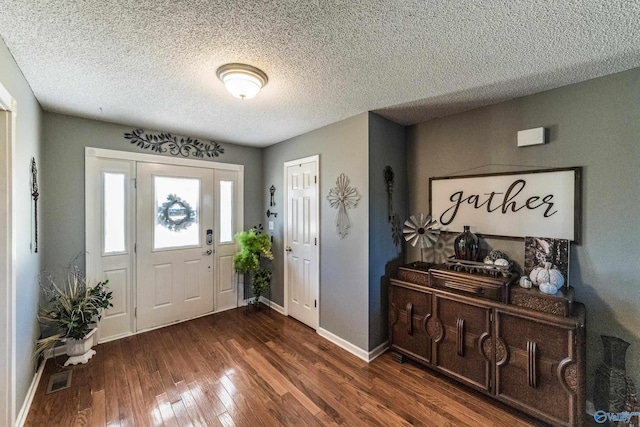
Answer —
408 314
536 366
458 350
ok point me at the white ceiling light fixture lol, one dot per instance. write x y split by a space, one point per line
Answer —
241 80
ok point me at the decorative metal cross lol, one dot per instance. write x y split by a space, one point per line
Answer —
343 197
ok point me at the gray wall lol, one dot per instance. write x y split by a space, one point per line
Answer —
594 124
386 148
27 262
343 147
65 138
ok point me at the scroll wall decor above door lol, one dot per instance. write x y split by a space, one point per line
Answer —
163 142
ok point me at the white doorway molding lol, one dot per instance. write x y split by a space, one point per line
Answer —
8 113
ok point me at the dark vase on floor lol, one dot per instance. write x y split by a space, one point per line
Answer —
610 394
466 245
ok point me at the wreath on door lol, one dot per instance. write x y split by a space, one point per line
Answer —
176 214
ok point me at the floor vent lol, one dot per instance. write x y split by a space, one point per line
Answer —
59 381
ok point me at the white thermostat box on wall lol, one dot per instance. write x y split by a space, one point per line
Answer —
531 137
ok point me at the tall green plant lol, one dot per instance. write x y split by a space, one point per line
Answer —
254 246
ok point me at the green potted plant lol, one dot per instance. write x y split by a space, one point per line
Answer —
254 247
72 309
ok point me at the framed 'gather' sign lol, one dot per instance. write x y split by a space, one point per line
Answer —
514 204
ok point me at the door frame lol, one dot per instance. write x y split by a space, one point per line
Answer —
92 152
8 104
308 159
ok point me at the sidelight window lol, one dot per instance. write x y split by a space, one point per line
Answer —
113 209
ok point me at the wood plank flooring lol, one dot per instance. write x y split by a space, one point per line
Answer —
253 369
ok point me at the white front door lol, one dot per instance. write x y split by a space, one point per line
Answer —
175 279
301 243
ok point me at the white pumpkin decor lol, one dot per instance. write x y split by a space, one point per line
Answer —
488 260
547 288
525 282
547 278
546 274
501 262
556 278
539 275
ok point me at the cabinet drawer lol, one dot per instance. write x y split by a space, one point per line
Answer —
473 285
408 312
416 272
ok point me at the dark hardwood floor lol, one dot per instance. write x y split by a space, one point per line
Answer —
251 369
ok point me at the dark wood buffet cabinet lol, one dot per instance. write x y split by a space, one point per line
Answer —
516 345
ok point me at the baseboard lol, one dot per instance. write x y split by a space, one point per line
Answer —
273 305
367 356
26 405
378 350
344 344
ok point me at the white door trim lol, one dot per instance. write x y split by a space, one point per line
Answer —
314 158
155 158
7 265
91 152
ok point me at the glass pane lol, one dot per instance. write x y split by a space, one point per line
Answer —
177 212
114 212
226 211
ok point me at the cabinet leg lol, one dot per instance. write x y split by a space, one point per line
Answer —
397 357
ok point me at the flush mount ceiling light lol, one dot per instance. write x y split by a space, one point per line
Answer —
241 80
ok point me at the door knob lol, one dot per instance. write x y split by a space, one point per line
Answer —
288 249
209 252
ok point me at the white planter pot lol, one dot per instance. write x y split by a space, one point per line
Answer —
80 351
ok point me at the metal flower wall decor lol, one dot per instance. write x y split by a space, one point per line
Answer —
343 197
396 229
184 147
421 231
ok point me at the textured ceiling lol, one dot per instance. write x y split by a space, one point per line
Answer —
151 63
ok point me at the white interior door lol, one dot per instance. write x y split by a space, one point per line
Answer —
175 279
301 243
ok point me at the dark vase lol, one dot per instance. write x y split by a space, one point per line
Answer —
610 394
466 245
